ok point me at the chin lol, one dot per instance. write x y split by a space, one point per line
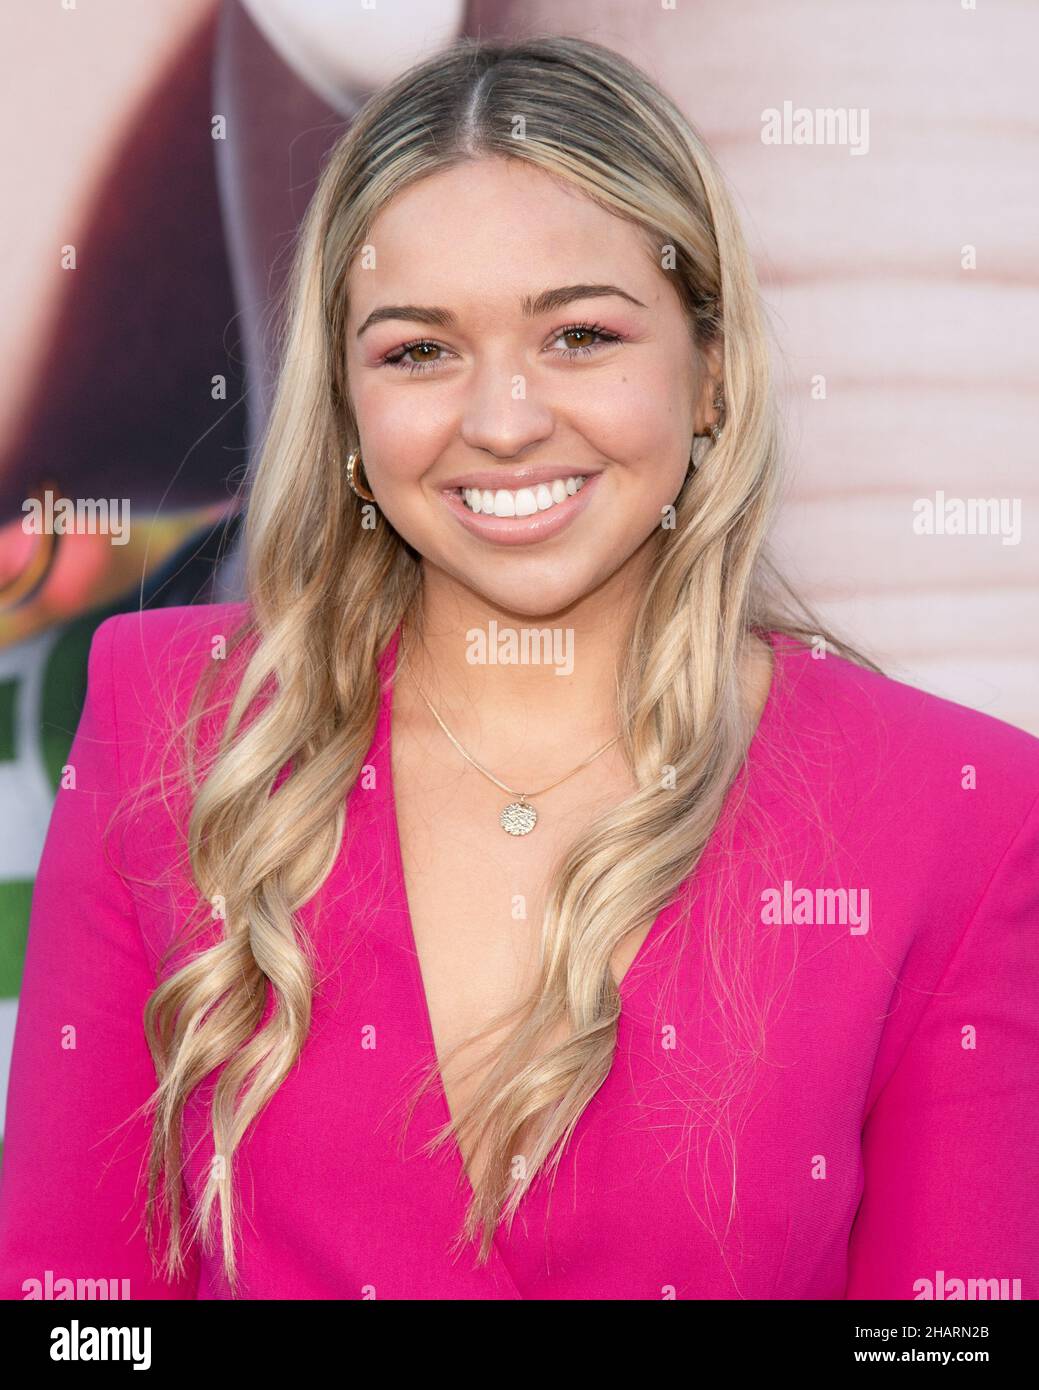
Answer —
536 599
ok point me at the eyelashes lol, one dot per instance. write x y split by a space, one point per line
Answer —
399 357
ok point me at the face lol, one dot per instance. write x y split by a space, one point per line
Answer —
524 383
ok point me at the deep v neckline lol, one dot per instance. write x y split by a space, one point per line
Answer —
398 882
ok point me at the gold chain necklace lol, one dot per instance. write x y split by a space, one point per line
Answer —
519 817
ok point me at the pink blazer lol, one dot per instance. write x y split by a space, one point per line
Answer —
882 849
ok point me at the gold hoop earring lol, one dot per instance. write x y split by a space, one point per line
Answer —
352 465
715 432
719 405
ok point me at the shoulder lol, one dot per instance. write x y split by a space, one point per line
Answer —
910 750
136 651
144 667
139 639
839 692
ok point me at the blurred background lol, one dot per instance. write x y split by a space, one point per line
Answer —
158 158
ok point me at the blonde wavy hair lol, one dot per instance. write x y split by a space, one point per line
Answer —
325 598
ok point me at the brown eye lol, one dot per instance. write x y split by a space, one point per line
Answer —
416 357
594 336
424 351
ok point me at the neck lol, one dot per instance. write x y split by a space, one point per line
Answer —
512 688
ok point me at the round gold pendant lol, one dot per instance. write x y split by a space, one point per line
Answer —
519 818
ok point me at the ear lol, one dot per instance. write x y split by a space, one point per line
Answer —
714 354
712 362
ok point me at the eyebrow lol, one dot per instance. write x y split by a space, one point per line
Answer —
532 306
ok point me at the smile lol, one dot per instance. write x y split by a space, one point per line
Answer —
524 515
524 501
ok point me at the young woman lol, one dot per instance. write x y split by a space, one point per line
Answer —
514 897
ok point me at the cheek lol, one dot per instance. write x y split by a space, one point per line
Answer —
642 426
400 436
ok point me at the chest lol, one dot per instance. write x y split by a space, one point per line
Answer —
477 895
642 1200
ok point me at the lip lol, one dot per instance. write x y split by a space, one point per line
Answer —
495 478
522 530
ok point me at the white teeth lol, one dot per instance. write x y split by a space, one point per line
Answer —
525 501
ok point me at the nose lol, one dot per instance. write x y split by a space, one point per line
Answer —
503 414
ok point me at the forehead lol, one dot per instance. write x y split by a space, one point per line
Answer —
497 229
